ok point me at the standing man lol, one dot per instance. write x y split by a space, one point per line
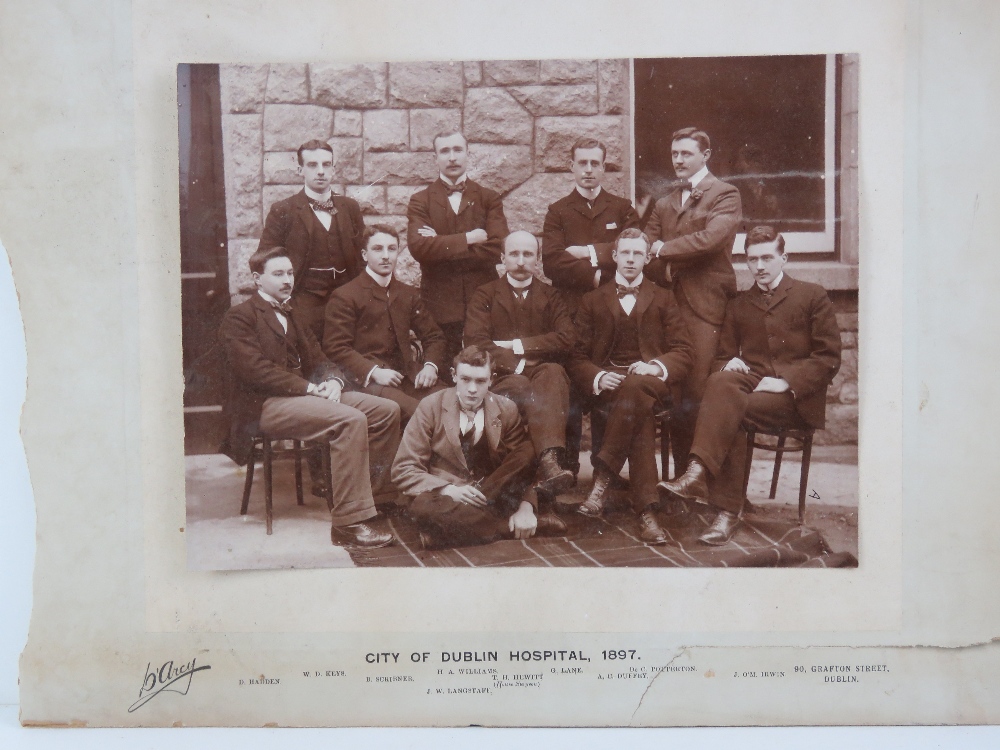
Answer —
693 229
466 463
577 242
779 350
320 231
631 348
368 324
455 230
526 328
284 387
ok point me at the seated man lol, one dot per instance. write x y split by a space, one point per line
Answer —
778 352
283 386
631 349
525 326
368 323
466 463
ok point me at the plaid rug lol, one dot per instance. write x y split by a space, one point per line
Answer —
613 542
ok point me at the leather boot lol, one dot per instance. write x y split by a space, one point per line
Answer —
692 484
554 480
360 535
721 530
651 532
549 524
593 506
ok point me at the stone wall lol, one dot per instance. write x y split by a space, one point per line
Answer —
520 118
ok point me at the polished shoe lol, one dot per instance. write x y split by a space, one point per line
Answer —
651 532
554 479
593 506
721 530
692 484
549 524
360 535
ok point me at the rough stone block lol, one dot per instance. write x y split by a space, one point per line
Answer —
426 123
347 159
407 269
618 183
507 72
396 222
387 129
241 143
568 71
499 167
394 168
848 373
426 84
347 122
555 135
287 83
371 198
557 100
841 425
612 77
398 198
492 115
241 88
525 207
240 280
360 85
288 126
849 393
849 339
280 168
847 321
473 73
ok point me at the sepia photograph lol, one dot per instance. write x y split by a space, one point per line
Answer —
507 313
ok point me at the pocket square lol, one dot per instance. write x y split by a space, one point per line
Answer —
612 225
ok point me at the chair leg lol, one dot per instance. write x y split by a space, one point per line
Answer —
328 473
665 448
298 471
268 510
248 484
777 466
751 436
807 446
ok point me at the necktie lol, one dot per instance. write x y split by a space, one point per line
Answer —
766 293
470 425
685 185
459 188
624 291
285 308
326 205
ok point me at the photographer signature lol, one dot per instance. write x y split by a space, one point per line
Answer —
167 677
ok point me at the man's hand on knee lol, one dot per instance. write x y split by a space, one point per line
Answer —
523 523
465 493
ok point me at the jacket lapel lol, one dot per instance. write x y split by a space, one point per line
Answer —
756 298
270 317
704 186
305 213
644 298
778 295
469 196
505 298
449 405
400 324
492 424
611 298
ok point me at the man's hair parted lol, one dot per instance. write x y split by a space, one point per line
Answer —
474 356
371 231
633 234
588 143
313 145
763 233
447 134
260 258
699 136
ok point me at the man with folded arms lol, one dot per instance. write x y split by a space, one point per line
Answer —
631 348
779 350
282 386
524 324
466 463
368 324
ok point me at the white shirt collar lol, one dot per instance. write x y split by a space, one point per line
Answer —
382 281
621 280
698 176
518 284
316 196
774 284
267 297
586 197
459 181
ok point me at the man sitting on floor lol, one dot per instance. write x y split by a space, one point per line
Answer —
466 463
284 387
368 323
778 352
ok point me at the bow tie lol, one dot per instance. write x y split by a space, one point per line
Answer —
285 308
459 188
624 291
685 185
326 205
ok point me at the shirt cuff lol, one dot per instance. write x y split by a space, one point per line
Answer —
432 365
518 348
597 390
520 367
597 278
663 368
593 255
368 377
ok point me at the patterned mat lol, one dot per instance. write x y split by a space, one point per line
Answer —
614 542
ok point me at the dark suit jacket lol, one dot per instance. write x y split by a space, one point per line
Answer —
795 338
255 348
698 244
430 454
292 224
451 270
549 335
570 222
356 315
662 334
